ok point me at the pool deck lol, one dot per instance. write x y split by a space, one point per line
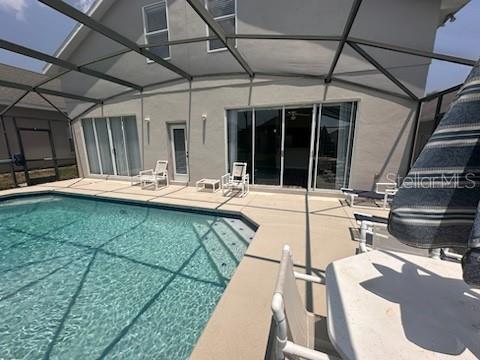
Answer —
318 229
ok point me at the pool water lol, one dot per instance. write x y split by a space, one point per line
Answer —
86 279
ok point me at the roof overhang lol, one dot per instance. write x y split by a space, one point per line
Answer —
449 8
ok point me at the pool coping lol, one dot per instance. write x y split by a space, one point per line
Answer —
240 325
174 207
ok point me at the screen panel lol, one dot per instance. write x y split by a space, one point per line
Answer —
288 56
134 68
85 85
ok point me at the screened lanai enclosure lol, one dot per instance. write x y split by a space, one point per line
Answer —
35 150
127 62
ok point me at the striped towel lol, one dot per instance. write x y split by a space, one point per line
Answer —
437 203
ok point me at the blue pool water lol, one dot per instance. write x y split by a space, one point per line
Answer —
87 279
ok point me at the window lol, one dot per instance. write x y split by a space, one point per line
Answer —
155 24
224 13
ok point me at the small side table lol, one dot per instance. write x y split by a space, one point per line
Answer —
203 184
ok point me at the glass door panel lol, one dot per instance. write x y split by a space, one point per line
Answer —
132 144
179 152
298 128
104 146
268 139
240 138
119 146
91 146
334 145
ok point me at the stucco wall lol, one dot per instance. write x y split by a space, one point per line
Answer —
383 130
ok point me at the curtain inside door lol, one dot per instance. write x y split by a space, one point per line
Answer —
104 146
90 145
119 146
132 144
112 145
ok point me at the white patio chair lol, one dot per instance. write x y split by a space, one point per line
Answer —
238 179
153 176
384 191
295 336
368 226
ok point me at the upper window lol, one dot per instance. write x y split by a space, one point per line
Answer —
224 13
155 24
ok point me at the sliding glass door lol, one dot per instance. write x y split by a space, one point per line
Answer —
303 147
333 145
268 144
119 145
104 146
240 139
112 145
91 146
296 159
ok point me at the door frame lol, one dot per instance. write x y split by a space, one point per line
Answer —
172 127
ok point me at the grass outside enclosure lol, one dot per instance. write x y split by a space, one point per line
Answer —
65 172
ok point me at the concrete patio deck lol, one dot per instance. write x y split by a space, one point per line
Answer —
317 229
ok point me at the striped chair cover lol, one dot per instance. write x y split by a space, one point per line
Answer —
436 205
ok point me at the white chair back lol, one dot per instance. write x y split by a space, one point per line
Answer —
239 170
296 316
161 166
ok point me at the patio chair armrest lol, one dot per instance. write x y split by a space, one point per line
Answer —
304 352
387 185
451 255
145 172
246 178
309 278
391 191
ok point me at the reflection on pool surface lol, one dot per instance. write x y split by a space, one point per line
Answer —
83 278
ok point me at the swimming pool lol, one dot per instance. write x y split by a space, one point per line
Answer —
85 279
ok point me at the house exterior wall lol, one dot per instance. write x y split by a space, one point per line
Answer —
383 132
409 23
384 127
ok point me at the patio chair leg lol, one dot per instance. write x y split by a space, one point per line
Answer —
362 244
434 254
351 200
